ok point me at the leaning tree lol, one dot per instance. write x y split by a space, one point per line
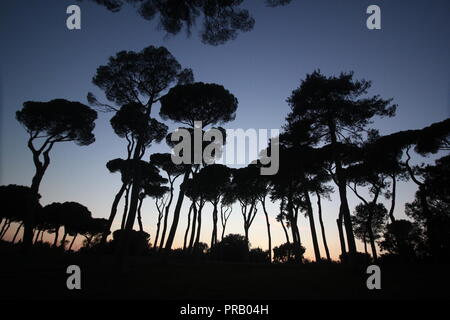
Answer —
48 123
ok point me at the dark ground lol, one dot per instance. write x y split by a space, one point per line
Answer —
44 277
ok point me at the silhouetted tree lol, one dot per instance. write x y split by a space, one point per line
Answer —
280 218
226 208
131 123
233 248
370 219
323 191
208 103
164 162
339 113
54 213
246 188
48 123
402 238
286 252
17 202
152 185
431 208
125 169
94 227
75 218
215 179
221 20
158 193
139 79
195 190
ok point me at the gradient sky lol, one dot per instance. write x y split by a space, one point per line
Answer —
41 59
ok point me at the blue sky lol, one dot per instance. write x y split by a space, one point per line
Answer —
408 60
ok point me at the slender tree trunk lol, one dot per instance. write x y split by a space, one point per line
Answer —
113 213
141 227
294 228
63 240
73 240
176 213
199 225
322 227
166 217
214 231
17 232
269 235
285 231
342 186
372 243
391 210
37 236
5 228
125 209
341 236
365 245
369 227
158 228
193 229
188 227
136 185
312 227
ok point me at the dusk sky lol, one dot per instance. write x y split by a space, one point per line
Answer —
408 60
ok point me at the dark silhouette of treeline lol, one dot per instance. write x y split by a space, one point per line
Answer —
328 145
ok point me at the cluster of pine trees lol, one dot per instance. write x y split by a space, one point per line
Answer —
328 145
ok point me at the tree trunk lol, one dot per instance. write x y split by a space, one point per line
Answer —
194 222
391 210
269 235
141 227
113 213
5 228
36 239
73 240
55 243
322 227
136 185
285 231
372 243
166 217
199 225
312 227
17 232
188 227
125 209
40 167
341 236
63 240
214 231
342 186
176 214
158 227
365 245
